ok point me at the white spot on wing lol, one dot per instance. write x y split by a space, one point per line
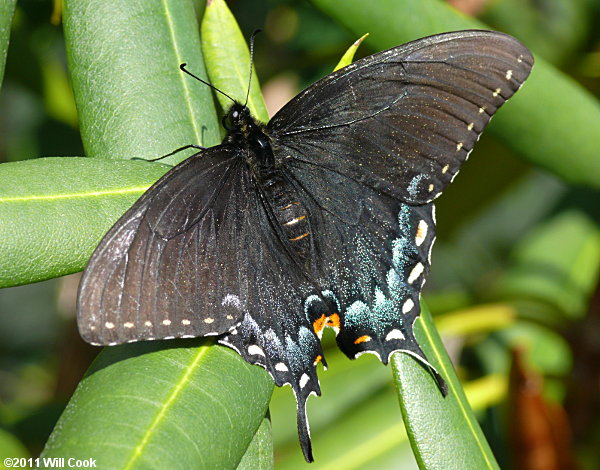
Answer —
281 367
509 74
166 322
109 325
470 127
496 92
394 334
128 324
255 350
185 322
445 169
303 380
408 306
421 232
148 323
209 320
459 146
416 272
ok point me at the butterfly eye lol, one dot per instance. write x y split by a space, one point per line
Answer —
235 115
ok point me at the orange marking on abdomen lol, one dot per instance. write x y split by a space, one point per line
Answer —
299 237
288 206
318 359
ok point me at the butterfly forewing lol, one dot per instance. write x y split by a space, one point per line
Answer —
404 120
157 272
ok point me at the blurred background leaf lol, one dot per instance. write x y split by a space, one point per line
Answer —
515 266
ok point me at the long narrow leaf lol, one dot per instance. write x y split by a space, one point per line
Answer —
7 8
169 404
228 60
53 211
443 431
132 99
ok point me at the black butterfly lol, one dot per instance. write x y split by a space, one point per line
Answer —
323 217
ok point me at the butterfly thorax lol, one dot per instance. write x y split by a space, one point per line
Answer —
280 195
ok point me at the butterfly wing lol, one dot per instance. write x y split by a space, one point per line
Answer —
404 120
200 254
372 145
157 272
373 256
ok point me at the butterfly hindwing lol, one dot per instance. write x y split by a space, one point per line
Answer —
374 255
404 120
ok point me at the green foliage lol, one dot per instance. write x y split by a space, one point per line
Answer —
444 432
132 100
7 7
228 60
163 405
66 204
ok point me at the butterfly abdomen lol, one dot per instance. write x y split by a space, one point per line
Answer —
289 212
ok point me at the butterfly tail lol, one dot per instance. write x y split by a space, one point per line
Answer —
304 428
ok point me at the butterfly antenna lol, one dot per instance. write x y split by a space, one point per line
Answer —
183 69
256 31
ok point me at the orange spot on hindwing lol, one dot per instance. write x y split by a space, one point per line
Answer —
319 324
362 339
333 321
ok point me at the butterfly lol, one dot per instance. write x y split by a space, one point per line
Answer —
324 217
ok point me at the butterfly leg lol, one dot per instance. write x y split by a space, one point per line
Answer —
185 147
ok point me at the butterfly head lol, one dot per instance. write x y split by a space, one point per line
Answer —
238 119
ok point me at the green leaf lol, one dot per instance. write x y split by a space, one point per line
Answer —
132 99
228 59
348 56
358 439
10 447
259 455
7 8
544 122
558 264
168 404
163 405
476 319
443 431
54 211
